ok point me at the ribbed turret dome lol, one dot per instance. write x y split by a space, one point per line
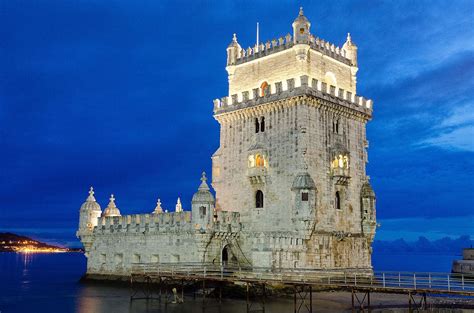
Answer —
303 181
367 191
203 194
301 18
90 204
234 42
111 209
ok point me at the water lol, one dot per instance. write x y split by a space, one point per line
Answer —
49 283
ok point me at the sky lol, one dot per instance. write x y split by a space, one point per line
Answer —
118 95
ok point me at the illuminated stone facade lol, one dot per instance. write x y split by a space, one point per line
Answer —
289 174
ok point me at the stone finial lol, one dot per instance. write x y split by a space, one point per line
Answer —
203 185
301 11
234 37
158 208
179 207
91 194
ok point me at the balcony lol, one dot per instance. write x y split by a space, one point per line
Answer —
341 175
257 174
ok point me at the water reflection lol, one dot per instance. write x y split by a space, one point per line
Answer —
50 283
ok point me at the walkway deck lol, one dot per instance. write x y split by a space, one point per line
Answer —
305 280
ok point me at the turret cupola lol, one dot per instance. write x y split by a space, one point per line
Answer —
90 204
203 205
111 209
351 50
233 51
301 27
88 214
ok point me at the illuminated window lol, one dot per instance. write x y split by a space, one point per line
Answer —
304 196
337 201
259 199
340 161
263 87
301 30
259 160
251 161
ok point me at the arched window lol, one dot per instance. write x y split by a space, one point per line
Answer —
257 126
259 199
337 201
264 87
259 160
251 161
262 124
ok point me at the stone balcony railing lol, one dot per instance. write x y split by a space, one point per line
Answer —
290 88
257 174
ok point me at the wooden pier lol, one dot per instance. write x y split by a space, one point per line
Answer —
164 280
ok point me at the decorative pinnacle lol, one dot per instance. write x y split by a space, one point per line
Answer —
112 198
234 38
203 177
158 203
91 195
349 39
301 11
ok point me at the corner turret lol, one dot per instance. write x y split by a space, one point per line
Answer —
89 213
233 51
301 27
202 205
369 223
351 50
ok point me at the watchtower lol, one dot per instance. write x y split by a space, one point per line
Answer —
292 152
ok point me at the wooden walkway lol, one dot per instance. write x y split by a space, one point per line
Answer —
303 282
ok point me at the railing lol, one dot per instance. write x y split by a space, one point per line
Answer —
426 282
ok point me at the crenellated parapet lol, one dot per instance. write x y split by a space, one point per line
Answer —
292 87
160 222
227 221
286 42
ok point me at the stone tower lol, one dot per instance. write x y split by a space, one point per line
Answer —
89 212
292 152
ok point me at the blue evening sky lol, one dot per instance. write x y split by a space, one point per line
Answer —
118 95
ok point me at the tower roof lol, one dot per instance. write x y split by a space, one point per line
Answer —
111 209
90 204
234 42
204 193
303 181
301 18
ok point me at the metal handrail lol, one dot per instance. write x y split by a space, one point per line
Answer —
325 277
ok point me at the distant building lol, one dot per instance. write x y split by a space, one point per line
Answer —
466 265
289 174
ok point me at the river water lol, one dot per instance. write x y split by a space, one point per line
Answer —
50 283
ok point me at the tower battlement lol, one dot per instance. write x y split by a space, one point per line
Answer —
292 56
293 87
286 42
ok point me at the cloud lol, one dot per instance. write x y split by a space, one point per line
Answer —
461 138
456 131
